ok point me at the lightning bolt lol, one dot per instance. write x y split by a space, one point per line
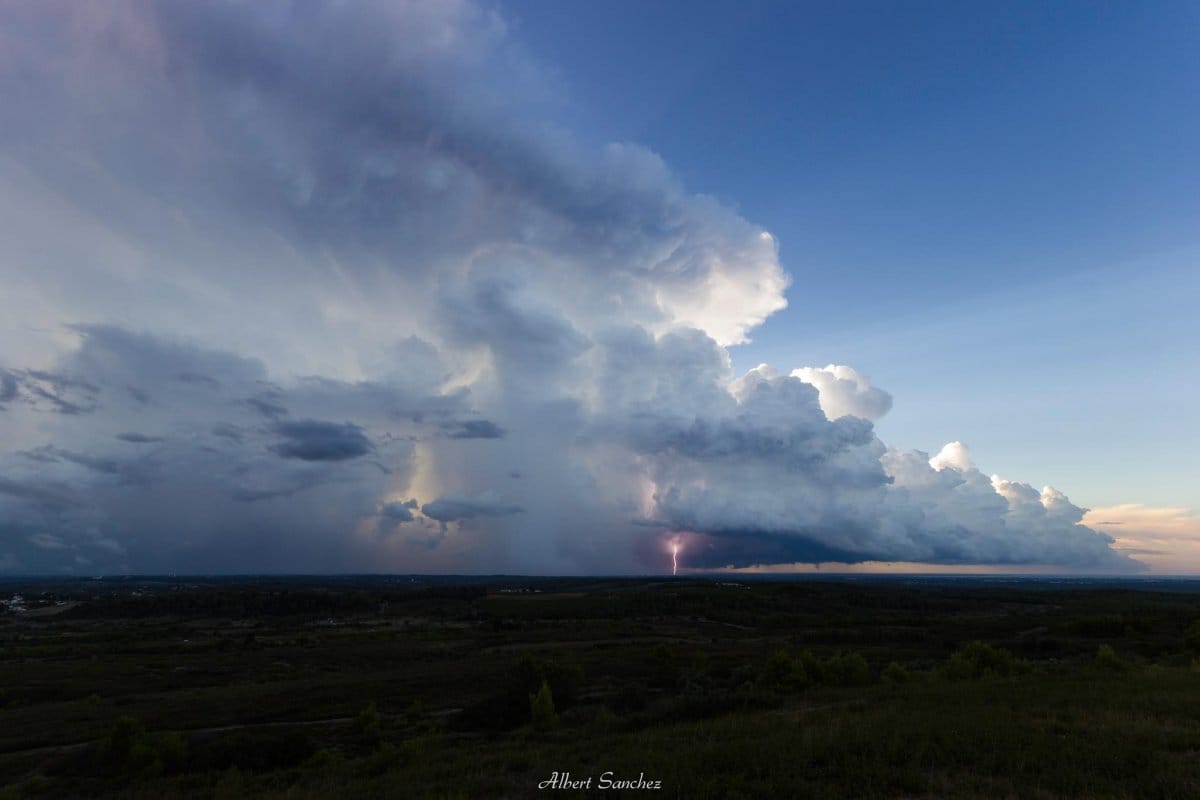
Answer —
675 558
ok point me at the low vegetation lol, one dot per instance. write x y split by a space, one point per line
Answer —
363 688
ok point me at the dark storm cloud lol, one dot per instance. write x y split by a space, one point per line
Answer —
721 549
226 431
108 466
255 495
285 485
398 511
42 494
62 394
148 364
473 429
138 438
218 479
8 386
528 334
59 381
196 377
314 440
267 404
43 454
793 447
454 508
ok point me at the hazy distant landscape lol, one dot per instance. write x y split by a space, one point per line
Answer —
429 687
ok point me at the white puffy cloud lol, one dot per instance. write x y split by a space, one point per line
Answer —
323 286
844 392
954 455
956 514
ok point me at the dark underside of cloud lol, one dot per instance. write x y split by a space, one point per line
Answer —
722 549
454 508
313 440
376 283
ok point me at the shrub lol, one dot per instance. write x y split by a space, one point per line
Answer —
847 669
564 678
128 749
415 713
1106 658
231 785
978 660
172 752
367 724
541 709
895 674
1191 637
783 672
509 706
814 670
115 747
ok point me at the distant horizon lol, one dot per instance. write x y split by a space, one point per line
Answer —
1143 577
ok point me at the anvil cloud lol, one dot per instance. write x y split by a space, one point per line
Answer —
301 287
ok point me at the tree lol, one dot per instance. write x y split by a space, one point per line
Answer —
1107 658
368 725
541 709
895 674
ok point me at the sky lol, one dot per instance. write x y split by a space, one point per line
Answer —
543 287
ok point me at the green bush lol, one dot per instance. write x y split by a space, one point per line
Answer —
782 672
509 706
230 786
368 726
847 669
979 660
1106 658
172 752
895 674
127 749
814 669
541 709
1191 637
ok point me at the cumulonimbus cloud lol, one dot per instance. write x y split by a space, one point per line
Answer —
323 286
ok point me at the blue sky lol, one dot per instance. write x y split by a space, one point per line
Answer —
458 286
990 208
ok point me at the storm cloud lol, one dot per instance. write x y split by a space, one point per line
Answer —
346 267
313 440
453 508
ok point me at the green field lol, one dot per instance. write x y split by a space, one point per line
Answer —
373 688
